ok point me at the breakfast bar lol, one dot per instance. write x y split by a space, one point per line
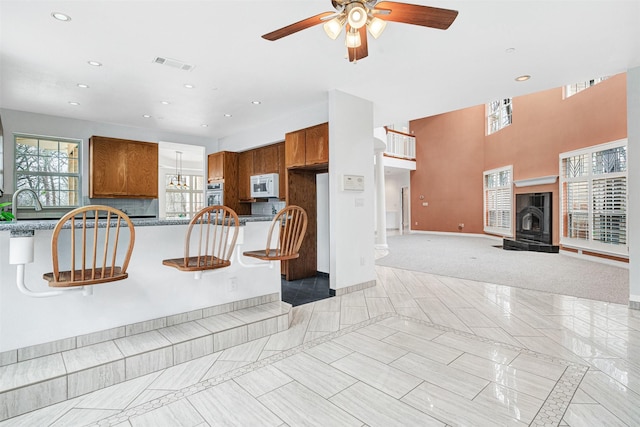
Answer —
151 294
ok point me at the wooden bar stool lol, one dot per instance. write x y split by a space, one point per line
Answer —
292 225
216 229
93 251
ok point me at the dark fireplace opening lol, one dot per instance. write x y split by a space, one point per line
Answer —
533 217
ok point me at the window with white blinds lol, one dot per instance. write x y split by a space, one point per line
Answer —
593 190
498 201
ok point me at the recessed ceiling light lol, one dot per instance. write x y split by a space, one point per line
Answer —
510 50
165 102
228 115
189 86
256 102
523 78
61 16
74 103
146 116
94 63
204 125
83 86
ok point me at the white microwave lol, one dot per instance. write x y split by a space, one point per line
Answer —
264 185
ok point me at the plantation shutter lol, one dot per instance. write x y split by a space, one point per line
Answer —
498 201
594 197
609 210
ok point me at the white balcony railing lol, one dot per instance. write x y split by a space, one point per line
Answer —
401 145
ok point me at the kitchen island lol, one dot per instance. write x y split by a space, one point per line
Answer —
151 296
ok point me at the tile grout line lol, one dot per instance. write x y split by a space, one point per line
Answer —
550 409
125 415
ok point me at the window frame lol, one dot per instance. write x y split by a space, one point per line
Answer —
492 229
49 210
191 192
589 243
575 88
503 115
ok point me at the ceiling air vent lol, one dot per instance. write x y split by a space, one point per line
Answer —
173 63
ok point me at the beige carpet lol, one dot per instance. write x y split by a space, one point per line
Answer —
477 258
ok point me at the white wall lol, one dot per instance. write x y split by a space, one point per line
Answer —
322 199
633 216
352 226
39 124
274 131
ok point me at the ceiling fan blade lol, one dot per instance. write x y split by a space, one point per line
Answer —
298 26
426 16
361 51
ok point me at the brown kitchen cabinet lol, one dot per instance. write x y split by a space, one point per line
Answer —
282 171
294 148
245 170
265 160
307 147
215 163
317 145
122 168
224 166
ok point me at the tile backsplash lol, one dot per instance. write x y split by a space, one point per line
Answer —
267 208
132 207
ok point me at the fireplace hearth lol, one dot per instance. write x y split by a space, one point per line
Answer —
533 224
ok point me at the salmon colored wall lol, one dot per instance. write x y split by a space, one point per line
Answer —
452 150
449 160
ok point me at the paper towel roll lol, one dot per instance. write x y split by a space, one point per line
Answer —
21 250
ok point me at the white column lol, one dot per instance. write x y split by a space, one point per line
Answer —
381 215
351 212
633 184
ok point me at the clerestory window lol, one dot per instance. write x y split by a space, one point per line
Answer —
572 89
499 115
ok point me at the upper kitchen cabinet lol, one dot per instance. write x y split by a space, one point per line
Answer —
224 166
265 160
245 170
121 168
294 148
216 166
317 145
144 164
307 147
282 171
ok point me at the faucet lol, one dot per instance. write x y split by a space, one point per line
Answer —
14 202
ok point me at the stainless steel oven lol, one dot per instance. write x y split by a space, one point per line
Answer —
215 194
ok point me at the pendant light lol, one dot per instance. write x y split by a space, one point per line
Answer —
178 184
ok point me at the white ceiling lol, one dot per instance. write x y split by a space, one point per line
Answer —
411 71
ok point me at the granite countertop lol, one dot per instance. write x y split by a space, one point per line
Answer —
49 224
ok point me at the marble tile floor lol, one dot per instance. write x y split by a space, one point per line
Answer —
416 349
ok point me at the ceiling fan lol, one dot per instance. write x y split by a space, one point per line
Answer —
358 15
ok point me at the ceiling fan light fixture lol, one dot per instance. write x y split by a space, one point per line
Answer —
353 39
376 26
333 27
356 15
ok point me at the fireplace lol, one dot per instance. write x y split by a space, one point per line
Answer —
533 224
533 217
